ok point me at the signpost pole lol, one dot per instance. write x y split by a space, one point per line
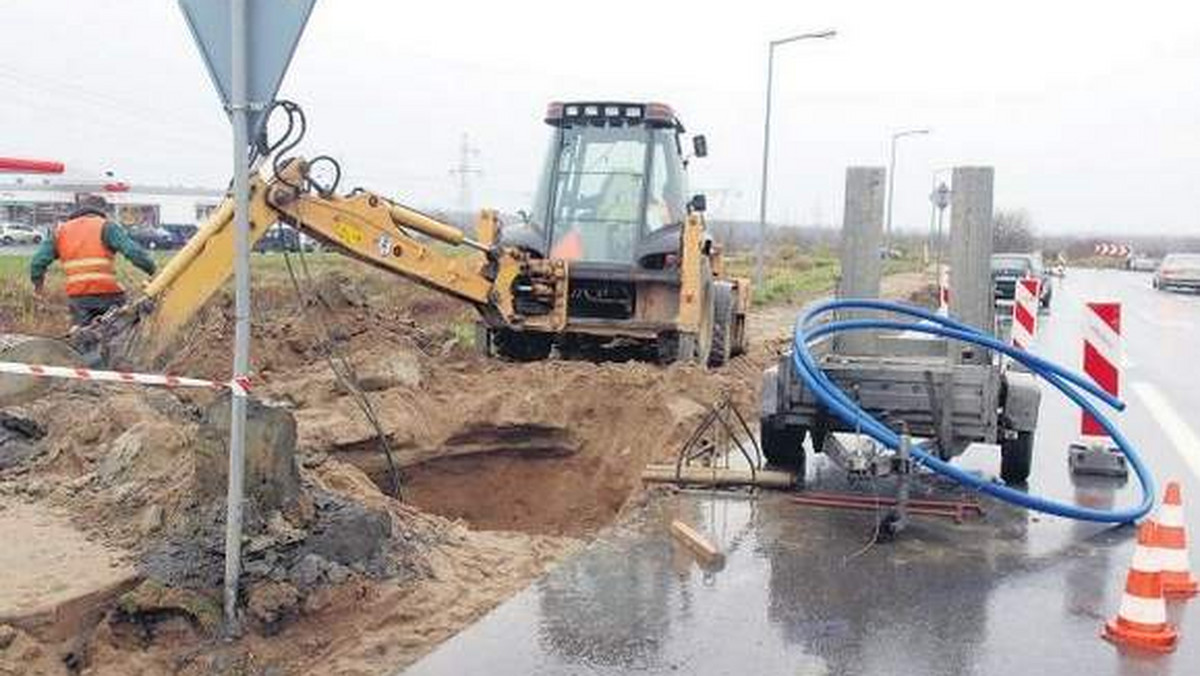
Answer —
238 107
247 81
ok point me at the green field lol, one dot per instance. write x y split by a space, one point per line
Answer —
792 275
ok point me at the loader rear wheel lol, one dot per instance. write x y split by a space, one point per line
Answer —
723 327
1016 458
522 345
783 445
739 332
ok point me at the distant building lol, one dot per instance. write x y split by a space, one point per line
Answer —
42 202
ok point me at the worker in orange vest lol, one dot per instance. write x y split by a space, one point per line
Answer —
86 245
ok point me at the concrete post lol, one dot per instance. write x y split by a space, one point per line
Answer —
971 298
862 236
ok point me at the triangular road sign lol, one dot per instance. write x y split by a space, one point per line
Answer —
273 28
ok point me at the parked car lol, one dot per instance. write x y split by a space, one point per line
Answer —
182 232
152 237
1178 271
11 233
283 238
1007 268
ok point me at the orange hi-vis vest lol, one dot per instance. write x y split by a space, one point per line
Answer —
569 248
88 263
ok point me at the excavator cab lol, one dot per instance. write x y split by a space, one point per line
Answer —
612 204
613 185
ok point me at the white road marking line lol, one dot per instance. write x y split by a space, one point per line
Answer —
1172 424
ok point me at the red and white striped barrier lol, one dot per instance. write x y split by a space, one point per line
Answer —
239 386
1101 355
944 293
1026 299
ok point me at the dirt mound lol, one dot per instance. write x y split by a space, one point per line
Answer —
357 313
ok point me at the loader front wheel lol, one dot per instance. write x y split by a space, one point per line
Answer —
522 345
704 337
723 328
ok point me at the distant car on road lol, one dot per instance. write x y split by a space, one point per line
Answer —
11 233
1178 271
1143 264
1007 268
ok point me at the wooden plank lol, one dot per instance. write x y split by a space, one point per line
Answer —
713 476
707 553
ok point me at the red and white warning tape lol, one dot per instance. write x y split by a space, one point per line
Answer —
239 386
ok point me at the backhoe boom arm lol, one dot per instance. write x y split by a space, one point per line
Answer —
364 226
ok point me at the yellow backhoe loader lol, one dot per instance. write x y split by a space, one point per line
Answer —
613 251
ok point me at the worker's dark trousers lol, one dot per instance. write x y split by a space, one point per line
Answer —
86 308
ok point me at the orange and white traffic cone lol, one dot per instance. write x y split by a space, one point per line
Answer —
1177 578
1141 621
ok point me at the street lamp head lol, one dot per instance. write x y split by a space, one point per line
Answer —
805 36
911 132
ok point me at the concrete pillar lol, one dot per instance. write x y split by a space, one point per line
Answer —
971 252
862 235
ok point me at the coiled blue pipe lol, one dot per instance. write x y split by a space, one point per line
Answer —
1069 383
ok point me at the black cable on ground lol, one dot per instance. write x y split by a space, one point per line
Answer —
339 363
343 370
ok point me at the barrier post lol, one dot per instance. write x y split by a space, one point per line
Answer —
1026 300
1095 452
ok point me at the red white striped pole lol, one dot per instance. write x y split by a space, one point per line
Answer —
943 292
1026 299
1101 355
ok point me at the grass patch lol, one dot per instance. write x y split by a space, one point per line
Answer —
789 276
794 276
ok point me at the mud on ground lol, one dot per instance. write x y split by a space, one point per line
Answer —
507 468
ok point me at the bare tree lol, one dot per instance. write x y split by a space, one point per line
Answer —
1012 231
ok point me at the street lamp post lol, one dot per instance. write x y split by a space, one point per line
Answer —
938 196
759 250
939 199
892 178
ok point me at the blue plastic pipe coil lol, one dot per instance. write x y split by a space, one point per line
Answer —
1074 386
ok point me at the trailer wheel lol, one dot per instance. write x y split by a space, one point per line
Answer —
723 328
1016 458
522 345
783 445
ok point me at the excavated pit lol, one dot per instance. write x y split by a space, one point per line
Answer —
530 478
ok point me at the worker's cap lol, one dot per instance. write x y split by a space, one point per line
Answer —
96 202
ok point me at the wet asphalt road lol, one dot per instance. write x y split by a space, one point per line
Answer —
1010 593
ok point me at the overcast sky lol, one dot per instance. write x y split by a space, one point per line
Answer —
1089 111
